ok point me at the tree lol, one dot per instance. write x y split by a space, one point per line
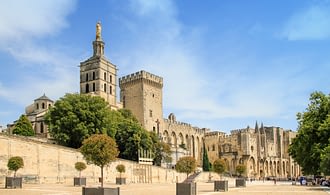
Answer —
313 135
75 117
186 165
219 166
15 163
325 161
23 127
240 169
99 149
206 162
131 138
120 168
161 150
80 166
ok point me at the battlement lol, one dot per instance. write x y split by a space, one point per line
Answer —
141 75
215 134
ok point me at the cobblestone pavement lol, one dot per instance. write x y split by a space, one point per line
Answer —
203 188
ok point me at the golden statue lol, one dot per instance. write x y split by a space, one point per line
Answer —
98 31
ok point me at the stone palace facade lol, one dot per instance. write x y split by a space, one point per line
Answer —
264 150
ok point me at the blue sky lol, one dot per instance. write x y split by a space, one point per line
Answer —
226 64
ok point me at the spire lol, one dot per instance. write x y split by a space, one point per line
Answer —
98 44
256 127
262 128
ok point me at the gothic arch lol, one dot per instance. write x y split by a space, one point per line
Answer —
173 139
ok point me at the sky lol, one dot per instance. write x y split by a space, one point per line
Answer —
225 64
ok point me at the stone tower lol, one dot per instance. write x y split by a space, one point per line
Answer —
142 93
98 76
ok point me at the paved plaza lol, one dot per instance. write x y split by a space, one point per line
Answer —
203 188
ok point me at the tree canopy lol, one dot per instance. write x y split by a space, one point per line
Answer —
309 147
219 166
75 117
240 169
161 150
120 168
80 166
15 163
206 162
23 127
99 149
186 165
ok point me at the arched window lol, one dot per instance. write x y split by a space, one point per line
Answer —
93 86
110 78
43 105
105 87
37 106
93 75
105 76
86 76
87 88
110 89
49 105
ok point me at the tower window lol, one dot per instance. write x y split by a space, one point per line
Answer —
105 87
110 89
105 76
37 106
124 101
43 105
110 78
87 88
86 76
150 113
93 75
41 127
93 86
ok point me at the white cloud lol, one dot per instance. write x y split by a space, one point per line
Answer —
22 26
312 23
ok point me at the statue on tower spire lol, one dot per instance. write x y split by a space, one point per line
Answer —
98 31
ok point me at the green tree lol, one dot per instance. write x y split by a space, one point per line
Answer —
120 168
186 165
240 169
100 150
313 134
206 162
325 161
219 166
15 163
80 166
161 150
131 138
23 127
75 117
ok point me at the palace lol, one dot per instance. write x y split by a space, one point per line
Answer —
264 150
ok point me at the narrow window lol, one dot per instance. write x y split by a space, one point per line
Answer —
86 76
105 87
37 106
41 127
110 90
124 102
154 129
49 105
150 113
87 88
93 75
213 147
110 78
105 76
93 86
43 105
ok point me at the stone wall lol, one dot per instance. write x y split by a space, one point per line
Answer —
50 163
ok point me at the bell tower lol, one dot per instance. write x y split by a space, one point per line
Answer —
98 76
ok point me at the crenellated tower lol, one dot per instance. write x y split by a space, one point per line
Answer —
98 76
142 93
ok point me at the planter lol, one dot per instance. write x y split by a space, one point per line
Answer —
240 182
186 189
221 186
120 180
100 191
79 181
13 182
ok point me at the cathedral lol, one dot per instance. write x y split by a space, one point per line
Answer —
264 150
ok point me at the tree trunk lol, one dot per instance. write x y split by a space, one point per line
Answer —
101 176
